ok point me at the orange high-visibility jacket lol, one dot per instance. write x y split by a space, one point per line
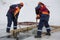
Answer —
44 10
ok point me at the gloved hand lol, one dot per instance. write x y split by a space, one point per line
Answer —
38 16
14 17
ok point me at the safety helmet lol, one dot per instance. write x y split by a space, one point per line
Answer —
21 3
40 3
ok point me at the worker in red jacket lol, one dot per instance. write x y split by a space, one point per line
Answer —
12 15
44 14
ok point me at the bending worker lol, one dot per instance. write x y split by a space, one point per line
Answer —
43 13
12 15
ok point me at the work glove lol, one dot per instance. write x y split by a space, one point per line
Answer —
37 16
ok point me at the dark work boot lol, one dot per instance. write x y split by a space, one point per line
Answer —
8 30
49 34
15 27
38 35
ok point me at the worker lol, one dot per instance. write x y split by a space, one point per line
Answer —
44 14
12 16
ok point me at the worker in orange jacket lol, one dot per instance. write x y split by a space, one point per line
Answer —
44 14
12 15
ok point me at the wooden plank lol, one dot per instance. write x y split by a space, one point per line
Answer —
17 31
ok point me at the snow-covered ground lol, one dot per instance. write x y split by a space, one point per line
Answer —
30 36
54 36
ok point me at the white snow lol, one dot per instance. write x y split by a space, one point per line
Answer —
28 11
54 36
25 36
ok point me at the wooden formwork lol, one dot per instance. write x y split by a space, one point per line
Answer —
32 26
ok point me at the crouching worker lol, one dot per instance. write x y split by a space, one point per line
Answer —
43 13
12 16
